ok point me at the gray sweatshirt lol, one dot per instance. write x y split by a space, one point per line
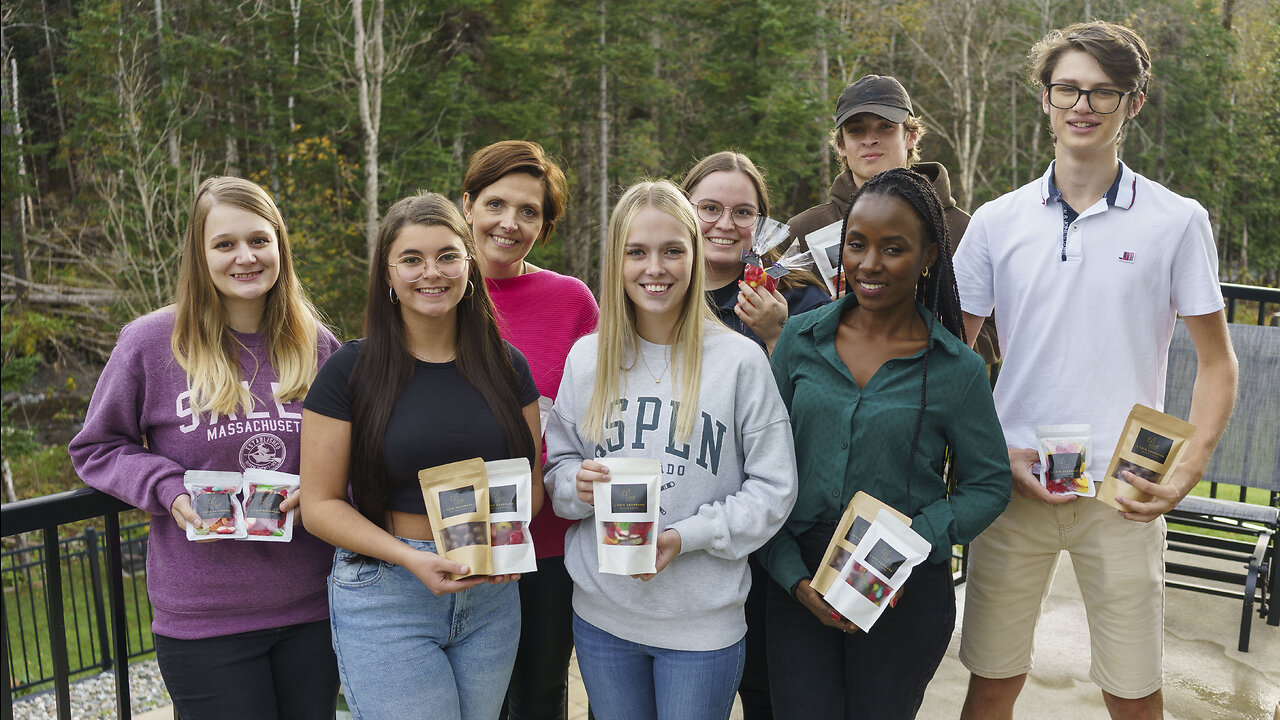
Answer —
726 489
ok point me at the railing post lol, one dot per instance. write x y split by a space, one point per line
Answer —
57 622
6 695
119 619
99 608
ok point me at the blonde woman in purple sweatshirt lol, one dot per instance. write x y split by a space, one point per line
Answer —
215 381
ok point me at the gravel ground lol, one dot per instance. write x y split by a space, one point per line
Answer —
95 697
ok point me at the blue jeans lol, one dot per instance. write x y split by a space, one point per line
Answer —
629 681
405 653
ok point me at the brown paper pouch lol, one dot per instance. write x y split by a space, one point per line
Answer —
457 498
857 517
1150 446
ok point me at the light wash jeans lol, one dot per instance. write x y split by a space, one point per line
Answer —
626 680
405 653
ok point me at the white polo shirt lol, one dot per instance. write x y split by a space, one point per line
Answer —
1085 309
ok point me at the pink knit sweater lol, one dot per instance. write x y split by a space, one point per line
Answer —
542 314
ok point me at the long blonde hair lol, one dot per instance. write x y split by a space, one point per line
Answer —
202 340
618 347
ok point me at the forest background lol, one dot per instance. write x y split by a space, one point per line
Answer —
115 110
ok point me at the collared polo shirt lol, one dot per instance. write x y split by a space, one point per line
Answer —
850 438
1085 323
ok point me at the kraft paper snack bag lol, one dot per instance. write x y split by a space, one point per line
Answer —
510 490
457 498
1150 447
626 516
858 516
877 570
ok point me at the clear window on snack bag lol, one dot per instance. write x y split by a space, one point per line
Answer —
626 516
215 496
510 493
877 569
264 491
1065 453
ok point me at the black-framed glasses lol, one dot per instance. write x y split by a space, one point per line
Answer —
1101 100
744 216
411 268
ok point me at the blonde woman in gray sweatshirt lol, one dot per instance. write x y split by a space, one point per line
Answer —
664 379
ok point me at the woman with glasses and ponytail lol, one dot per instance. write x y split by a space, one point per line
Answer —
730 197
431 383
885 397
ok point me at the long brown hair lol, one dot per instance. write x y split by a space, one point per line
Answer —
202 340
385 366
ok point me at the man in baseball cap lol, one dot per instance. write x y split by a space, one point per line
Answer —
876 130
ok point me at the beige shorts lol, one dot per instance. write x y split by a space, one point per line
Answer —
1120 566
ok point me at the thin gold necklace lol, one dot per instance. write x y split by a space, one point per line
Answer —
426 359
657 379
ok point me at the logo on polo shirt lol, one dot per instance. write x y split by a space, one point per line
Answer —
1126 257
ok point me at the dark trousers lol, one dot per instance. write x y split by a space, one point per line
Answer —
754 688
286 673
539 688
816 671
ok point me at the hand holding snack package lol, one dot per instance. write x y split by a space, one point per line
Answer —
878 568
264 491
457 499
858 516
626 516
1065 453
1150 447
510 490
215 496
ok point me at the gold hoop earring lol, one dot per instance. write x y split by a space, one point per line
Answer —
471 289
391 293
925 272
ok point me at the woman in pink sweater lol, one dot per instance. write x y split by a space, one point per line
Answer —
513 194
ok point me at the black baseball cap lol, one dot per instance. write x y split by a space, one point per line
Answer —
879 94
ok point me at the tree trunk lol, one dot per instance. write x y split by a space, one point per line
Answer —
18 218
824 66
604 135
369 81
57 99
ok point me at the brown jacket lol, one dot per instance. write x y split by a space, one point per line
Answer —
834 210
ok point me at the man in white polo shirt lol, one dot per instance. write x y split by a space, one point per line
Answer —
1086 270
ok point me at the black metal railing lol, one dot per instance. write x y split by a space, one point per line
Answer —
24 578
1264 296
46 514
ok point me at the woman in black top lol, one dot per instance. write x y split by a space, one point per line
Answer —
431 383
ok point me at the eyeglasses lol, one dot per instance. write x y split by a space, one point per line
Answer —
412 268
1101 100
744 216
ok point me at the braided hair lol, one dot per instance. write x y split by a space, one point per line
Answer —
936 291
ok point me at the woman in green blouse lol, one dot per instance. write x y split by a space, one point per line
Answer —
883 391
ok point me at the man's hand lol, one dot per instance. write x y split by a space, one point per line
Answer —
1026 484
1165 497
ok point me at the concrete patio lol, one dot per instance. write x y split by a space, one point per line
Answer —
1205 677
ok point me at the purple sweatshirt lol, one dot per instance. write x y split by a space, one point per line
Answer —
140 436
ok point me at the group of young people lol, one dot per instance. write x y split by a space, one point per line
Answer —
767 410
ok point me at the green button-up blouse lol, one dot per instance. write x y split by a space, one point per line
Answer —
849 439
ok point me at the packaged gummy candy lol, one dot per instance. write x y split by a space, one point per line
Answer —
1065 451
457 499
510 490
858 516
264 490
215 496
626 516
880 565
